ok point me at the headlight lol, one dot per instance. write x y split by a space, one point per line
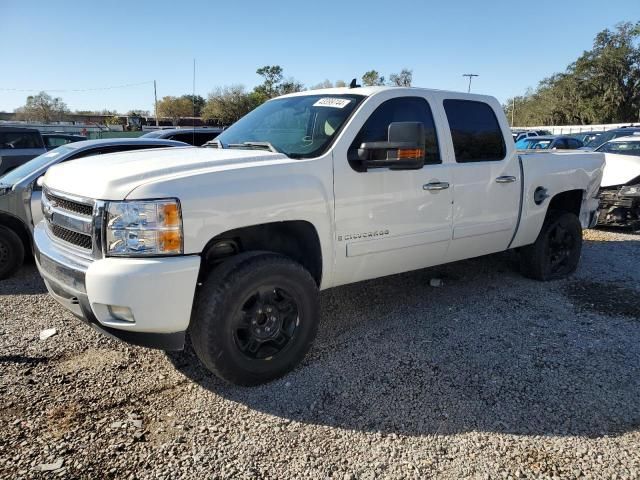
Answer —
136 228
630 191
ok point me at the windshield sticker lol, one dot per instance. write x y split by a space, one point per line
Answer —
332 102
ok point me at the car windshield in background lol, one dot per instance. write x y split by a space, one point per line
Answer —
26 169
610 135
621 148
299 127
533 144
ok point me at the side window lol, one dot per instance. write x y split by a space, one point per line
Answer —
475 131
185 137
204 137
20 140
405 109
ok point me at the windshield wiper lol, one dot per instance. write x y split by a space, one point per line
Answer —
255 145
213 144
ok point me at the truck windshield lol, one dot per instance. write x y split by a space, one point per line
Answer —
299 127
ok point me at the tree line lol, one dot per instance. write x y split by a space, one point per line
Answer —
224 104
601 86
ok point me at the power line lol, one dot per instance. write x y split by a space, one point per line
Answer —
58 90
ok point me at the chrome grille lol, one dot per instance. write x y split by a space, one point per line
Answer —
70 205
69 236
69 219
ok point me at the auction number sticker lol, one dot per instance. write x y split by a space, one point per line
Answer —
332 102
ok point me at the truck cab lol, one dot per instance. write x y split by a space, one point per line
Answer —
312 190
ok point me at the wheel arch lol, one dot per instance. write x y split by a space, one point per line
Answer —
296 239
567 201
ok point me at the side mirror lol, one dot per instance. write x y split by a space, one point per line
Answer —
404 149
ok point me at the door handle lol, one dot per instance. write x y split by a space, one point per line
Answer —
435 186
506 179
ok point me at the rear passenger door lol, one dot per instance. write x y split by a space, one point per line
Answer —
486 180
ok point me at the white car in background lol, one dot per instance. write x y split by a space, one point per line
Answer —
620 189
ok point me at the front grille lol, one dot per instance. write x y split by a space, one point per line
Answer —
69 236
70 205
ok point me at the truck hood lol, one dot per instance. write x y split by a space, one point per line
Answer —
115 175
620 169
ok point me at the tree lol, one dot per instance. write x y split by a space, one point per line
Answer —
138 113
42 108
601 86
197 104
228 104
328 84
372 78
325 84
114 120
402 79
272 75
273 83
174 108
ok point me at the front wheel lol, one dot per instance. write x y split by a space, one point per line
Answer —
11 252
255 318
556 252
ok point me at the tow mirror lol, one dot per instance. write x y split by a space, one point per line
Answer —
403 150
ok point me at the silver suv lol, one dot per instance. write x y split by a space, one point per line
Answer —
17 146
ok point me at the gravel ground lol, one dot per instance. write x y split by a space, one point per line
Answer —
488 376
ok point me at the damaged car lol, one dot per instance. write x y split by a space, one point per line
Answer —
620 189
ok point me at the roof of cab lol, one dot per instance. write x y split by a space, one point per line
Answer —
369 91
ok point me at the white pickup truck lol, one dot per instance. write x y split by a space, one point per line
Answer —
309 191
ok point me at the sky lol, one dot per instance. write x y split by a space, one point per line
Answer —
79 51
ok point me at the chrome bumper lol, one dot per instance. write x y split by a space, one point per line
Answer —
63 273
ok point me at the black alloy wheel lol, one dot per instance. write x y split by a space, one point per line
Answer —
266 322
560 247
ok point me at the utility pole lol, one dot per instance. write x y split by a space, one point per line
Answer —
155 95
470 75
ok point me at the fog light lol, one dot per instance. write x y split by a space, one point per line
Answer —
121 313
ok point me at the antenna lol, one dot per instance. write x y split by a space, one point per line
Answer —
470 75
193 101
354 84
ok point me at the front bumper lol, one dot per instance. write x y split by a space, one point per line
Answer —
158 291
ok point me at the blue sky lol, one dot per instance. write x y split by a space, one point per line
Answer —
68 45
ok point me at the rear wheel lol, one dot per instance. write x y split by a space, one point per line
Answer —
11 252
556 252
255 318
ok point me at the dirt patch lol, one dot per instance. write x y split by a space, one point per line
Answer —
61 418
608 299
91 359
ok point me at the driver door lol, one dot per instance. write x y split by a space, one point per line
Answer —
390 221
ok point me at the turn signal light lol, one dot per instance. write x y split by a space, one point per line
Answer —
410 153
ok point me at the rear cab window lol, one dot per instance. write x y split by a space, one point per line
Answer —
475 131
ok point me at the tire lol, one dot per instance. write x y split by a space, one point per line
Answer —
11 252
556 252
255 318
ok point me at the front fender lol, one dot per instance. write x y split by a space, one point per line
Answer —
216 202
